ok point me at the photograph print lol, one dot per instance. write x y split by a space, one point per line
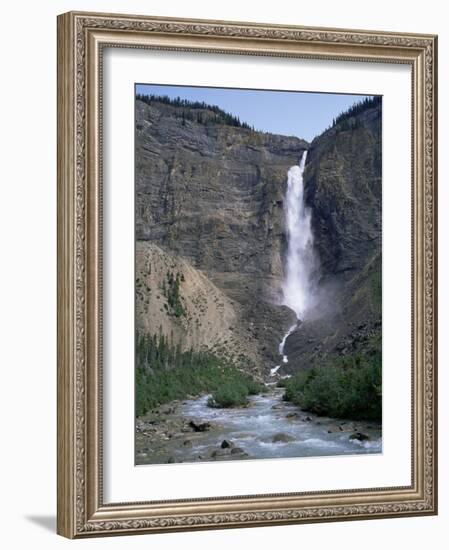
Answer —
258 274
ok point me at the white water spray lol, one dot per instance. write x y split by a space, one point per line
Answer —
297 287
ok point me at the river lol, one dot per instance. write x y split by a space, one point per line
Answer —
268 428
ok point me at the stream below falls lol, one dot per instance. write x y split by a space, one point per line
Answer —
268 428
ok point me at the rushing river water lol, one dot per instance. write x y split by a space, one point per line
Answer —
268 428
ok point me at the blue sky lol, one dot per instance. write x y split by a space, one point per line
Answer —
301 114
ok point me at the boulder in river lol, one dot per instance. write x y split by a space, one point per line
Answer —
282 438
227 444
217 453
201 427
237 451
359 436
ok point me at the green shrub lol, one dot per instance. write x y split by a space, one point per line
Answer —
165 373
253 386
170 289
235 392
348 387
231 394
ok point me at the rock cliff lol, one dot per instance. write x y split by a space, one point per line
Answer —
212 194
209 209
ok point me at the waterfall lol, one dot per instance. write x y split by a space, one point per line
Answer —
297 286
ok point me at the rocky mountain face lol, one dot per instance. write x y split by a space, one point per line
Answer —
212 194
211 239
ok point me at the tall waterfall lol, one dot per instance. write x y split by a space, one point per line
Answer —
297 286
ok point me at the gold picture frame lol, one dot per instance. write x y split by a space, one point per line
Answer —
81 39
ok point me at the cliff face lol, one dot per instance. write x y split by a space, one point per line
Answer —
343 183
212 194
209 209
343 187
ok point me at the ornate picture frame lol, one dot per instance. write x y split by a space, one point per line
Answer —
82 39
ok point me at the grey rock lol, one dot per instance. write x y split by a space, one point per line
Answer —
359 436
282 438
237 451
200 427
219 453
